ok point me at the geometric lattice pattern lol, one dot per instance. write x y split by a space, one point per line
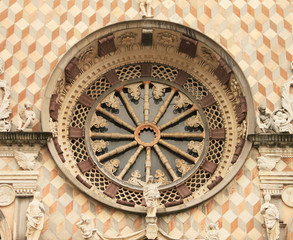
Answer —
258 35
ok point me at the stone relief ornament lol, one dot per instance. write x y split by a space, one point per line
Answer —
158 90
271 218
2 66
194 121
35 215
7 195
208 55
182 101
5 124
287 196
135 177
86 55
166 38
196 147
87 228
27 161
111 101
54 127
134 90
99 145
112 165
160 177
182 166
212 231
127 39
268 161
265 121
26 118
146 8
99 122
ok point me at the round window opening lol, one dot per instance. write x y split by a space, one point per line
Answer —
123 108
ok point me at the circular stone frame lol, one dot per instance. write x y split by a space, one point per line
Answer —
59 145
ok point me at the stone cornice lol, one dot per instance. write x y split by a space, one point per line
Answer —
278 140
21 138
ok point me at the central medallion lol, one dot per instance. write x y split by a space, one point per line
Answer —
147 134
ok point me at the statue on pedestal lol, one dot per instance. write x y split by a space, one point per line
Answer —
271 218
27 118
146 8
35 215
265 121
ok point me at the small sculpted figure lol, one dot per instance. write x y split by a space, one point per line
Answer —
271 218
265 122
35 215
87 228
151 195
146 8
212 231
27 118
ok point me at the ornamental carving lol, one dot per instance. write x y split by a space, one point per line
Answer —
141 126
208 55
196 147
212 231
134 90
112 165
99 145
5 124
287 196
111 101
127 39
99 122
26 118
7 195
87 228
182 102
166 38
135 177
267 162
27 161
158 90
182 166
160 177
194 121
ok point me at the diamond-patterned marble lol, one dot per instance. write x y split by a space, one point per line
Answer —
258 34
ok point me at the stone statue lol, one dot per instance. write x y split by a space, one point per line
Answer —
2 66
87 228
265 122
271 218
5 123
146 8
27 118
151 195
212 231
35 215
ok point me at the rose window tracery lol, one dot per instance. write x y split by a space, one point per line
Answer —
123 113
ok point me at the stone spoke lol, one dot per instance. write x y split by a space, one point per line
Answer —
115 118
130 162
165 162
178 118
182 135
127 104
178 151
164 106
111 135
116 151
146 106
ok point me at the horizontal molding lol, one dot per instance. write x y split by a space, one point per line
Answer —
21 138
